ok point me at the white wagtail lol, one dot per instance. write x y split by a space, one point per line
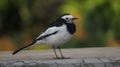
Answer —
58 33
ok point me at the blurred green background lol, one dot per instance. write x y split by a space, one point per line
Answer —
21 21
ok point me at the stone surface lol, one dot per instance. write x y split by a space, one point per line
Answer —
79 57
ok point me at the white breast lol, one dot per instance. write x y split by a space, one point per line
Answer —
59 38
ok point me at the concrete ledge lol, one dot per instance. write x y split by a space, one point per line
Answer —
80 57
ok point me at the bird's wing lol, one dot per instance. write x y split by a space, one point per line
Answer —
48 32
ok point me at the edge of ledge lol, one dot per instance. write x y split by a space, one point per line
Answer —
96 62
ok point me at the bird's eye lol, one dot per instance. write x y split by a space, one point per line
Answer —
66 18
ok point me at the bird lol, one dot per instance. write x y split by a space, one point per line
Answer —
57 33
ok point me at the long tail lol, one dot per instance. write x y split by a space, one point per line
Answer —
40 38
23 48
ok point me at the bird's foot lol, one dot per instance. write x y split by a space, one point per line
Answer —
62 58
65 57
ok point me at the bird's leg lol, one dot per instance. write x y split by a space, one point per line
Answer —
61 53
55 52
62 57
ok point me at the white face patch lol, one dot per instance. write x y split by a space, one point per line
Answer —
68 18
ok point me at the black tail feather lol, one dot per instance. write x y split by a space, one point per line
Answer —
42 37
23 48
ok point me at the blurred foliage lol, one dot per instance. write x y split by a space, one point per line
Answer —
21 21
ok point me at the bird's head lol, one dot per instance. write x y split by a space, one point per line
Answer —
68 18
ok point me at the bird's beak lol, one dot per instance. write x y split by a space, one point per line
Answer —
74 18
